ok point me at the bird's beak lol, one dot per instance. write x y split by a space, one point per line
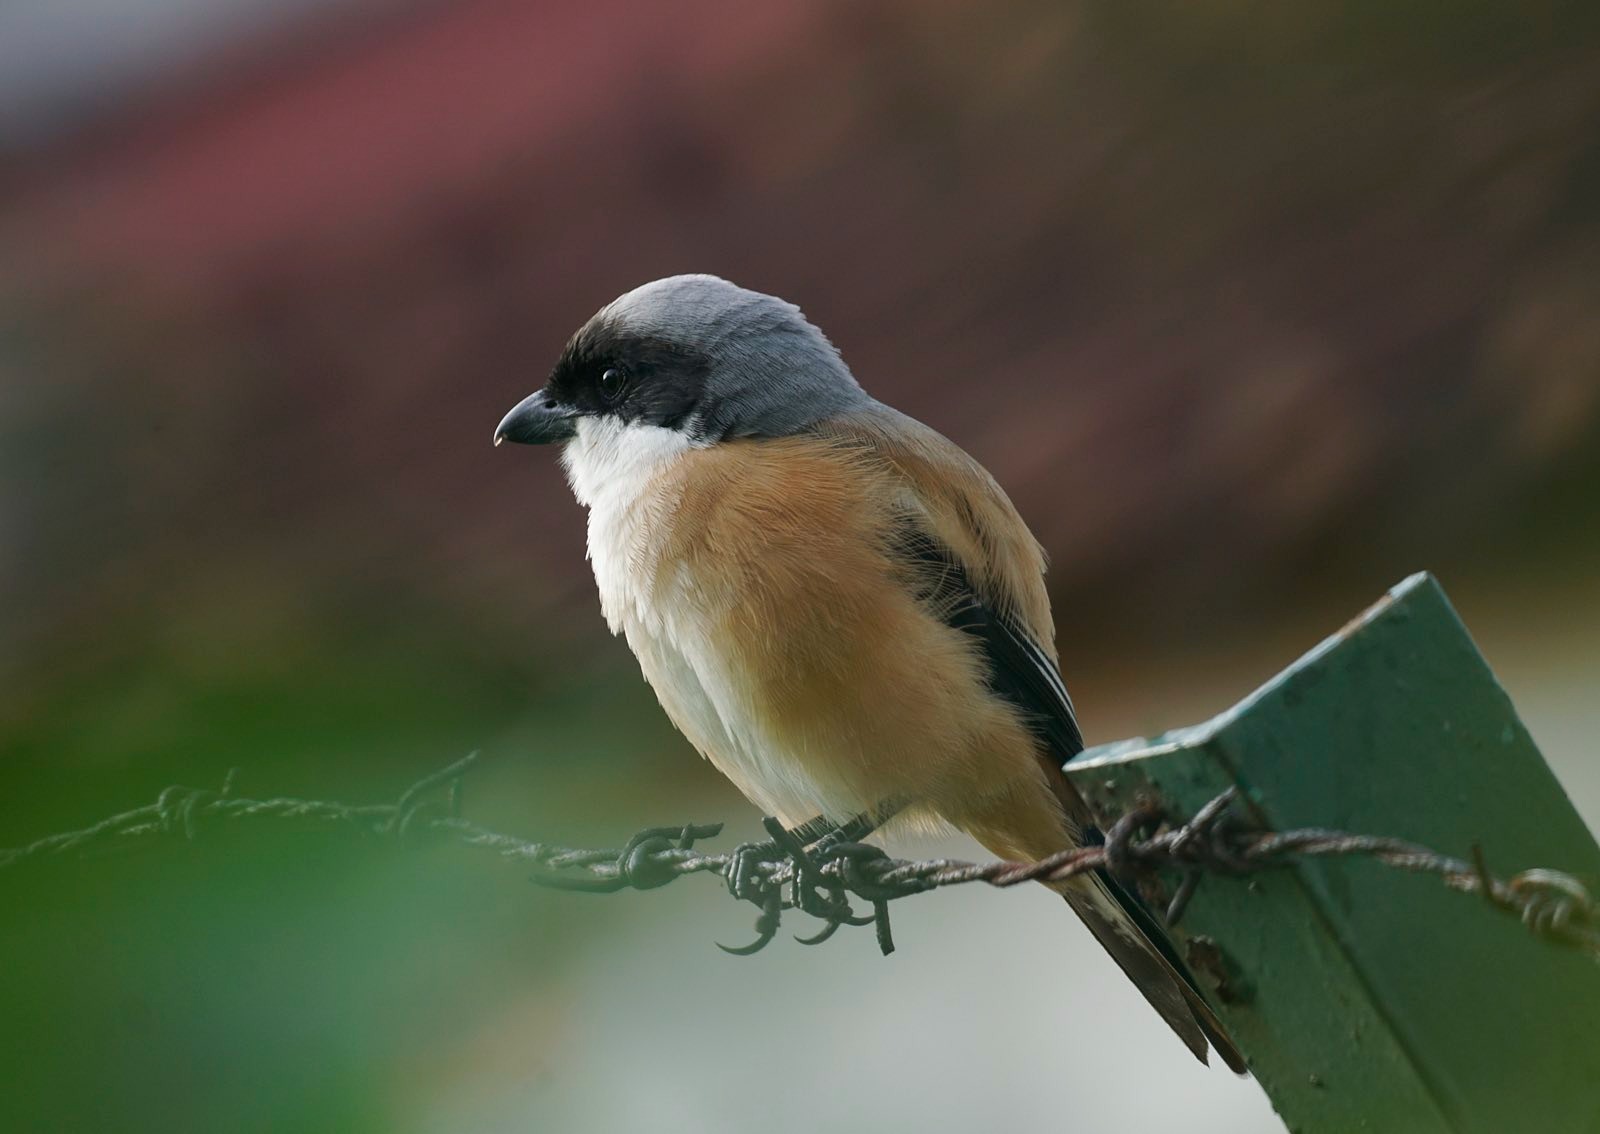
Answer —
534 421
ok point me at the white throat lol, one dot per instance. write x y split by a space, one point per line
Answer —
610 461
611 466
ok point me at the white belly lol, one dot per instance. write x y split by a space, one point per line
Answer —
667 620
702 696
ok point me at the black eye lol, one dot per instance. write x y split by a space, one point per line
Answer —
612 382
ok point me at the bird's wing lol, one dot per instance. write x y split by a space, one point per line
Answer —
1019 669
971 559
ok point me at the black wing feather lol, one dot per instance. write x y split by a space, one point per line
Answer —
1019 670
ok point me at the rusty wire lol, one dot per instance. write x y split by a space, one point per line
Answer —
784 875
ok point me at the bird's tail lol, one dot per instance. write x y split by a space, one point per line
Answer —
1030 825
1124 927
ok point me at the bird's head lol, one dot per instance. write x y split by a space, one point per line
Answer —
693 355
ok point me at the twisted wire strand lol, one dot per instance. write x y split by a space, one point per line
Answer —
785 876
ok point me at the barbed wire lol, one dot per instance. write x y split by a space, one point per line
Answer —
784 874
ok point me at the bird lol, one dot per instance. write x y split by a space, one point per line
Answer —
837 606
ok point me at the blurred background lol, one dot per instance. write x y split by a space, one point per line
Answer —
1253 308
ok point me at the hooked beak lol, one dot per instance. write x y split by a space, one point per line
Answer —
534 421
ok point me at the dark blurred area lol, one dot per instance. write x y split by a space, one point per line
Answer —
1253 308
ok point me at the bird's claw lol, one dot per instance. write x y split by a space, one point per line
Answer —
849 854
766 926
748 873
828 929
787 872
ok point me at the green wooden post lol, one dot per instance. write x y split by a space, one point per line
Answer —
1363 997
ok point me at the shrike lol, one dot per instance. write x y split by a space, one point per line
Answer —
836 605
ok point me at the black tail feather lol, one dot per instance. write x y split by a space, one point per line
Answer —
1171 972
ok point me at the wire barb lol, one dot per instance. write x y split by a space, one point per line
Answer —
820 880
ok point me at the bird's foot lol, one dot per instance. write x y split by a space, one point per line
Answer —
753 874
795 861
751 865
